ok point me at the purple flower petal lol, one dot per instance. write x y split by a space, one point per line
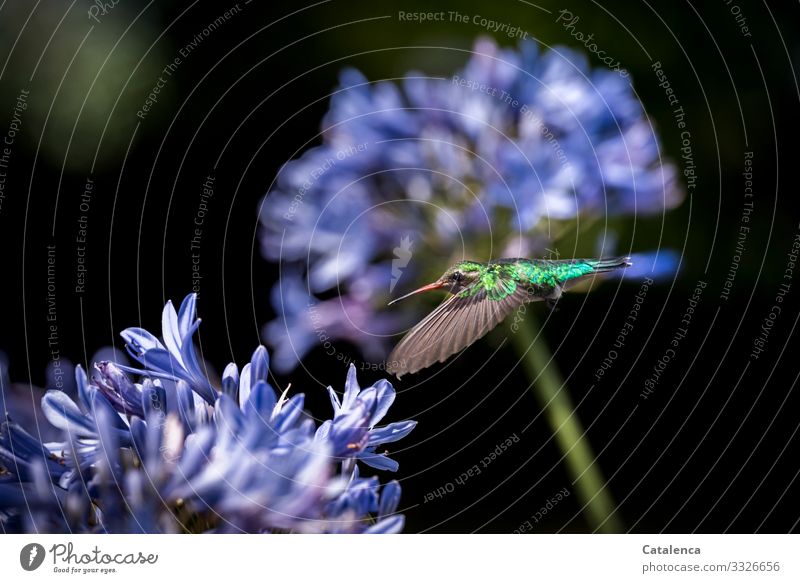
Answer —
186 315
261 401
378 461
391 525
140 340
391 432
390 498
62 412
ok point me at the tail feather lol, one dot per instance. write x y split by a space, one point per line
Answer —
575 271
604 265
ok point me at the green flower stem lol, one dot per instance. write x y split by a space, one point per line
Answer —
549 388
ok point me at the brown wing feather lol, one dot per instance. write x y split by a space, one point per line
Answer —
452 326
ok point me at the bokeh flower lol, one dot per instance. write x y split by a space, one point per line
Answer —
170 452
498 160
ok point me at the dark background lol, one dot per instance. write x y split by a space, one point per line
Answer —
712 449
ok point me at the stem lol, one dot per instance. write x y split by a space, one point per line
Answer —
550 390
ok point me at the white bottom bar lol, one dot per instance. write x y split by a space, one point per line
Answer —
379 559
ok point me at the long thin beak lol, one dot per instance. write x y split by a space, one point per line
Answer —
424 288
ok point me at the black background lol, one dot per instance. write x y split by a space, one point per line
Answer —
713 449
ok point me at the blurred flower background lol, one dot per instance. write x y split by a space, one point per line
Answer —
497 161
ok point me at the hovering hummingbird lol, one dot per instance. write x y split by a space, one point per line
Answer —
483 294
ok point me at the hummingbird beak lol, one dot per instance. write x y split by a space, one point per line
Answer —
424 288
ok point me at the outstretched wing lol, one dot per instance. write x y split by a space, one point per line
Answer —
458 322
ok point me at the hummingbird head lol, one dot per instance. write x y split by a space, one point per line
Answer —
455 279
459 276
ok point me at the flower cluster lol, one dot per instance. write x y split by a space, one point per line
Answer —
173 453
493 162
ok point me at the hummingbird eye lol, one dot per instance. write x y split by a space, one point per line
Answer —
458 276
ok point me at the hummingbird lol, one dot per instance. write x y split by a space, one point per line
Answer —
482 295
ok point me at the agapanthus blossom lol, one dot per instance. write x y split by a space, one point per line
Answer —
494 161
170 452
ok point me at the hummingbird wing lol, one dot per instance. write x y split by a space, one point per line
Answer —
458 322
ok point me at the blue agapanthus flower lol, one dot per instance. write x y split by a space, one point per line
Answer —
352 432
495 161
170 452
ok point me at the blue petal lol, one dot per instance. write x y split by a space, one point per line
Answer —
139 436
349 432
140 340
391 525
244 384
154 443
185 398
337 405
13 464
201 409
77 502
228 416
351 388
108 451
170 331
18 448
196 453
83 387
368 399
23 444
154 399
230 381
161 360
64 414
385 396
378 461
289 413
259 365
200 384
159 374
101 403
360 498
261 401
139 500
12 497
391 432
323 431
390 498
186 314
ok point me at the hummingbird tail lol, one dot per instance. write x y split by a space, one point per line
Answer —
603 265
